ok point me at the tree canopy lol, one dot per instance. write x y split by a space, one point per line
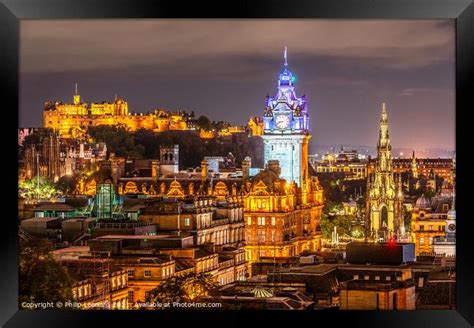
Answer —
192 148
41 278
204 123
183 288
37 187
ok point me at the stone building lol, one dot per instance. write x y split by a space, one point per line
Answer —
280 219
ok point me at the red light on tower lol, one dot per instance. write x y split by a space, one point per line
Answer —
391 242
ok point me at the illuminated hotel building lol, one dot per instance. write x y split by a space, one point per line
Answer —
279 220
282 204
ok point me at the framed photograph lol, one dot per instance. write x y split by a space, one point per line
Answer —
253 163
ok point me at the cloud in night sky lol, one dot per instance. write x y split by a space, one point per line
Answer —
225 68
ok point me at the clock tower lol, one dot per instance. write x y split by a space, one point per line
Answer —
286 129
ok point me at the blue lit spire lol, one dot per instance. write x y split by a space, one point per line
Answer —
286 77
286 102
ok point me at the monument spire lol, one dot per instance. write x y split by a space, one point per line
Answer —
285 56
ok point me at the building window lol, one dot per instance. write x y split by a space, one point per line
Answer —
261 220
431 228
366 277
422 227
130 296
273 221
261 236
131 273
377 278
249 220
187 221
388 278
356 277
273 235
422 241
421 281
431 240
147 273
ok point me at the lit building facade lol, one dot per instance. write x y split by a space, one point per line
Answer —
384 204
346 162
282 204
418 167
286 129
279 220
429 222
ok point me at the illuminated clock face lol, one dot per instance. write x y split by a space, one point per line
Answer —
282 121
452 227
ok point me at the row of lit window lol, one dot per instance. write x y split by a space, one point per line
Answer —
261 220
165 272
81 292
119 281
431 228
422 241
261 236
376 278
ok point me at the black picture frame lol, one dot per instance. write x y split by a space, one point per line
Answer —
462 11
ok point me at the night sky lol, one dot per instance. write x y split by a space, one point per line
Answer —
225 68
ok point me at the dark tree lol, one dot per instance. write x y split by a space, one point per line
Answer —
118 140
67 184
204 123
41 278
183 288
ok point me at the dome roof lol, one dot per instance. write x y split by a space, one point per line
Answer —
423 202
261 292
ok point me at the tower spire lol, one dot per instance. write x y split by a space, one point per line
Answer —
384 112
285 55
77 97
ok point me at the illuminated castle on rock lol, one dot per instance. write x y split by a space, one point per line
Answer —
384 194
286 129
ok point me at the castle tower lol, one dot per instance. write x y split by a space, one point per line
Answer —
169 159
286 129
384 196
77 97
